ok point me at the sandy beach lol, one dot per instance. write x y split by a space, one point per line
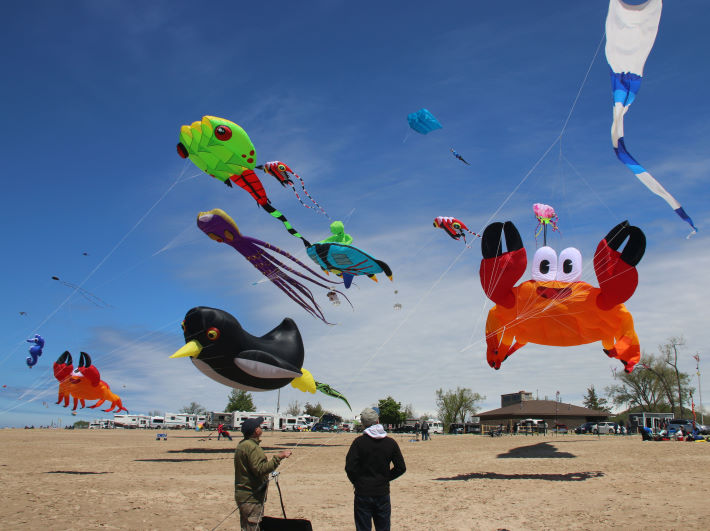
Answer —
126 479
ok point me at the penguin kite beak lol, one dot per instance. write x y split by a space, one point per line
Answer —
191 349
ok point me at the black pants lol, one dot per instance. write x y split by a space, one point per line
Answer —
372 508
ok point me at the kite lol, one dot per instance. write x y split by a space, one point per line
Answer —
337 255
281 172
459 156
555 308
223 150
630 33
83 383
220 227
222 350
93 299
453 227
333 297
35 350
545 215
423 121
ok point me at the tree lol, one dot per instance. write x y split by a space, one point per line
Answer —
592 401
193 408
155 413
313 411
81 424
391 411
455 405
294 408
652 385
670 357
408 412
240 400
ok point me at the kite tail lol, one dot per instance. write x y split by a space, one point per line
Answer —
278 215
625 86
651 183
328 390
303 186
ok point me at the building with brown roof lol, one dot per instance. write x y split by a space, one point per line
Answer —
550 411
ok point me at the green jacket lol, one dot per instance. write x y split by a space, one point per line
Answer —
251 472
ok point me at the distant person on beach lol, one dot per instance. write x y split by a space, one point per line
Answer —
368 468
221 432
425 430
251 474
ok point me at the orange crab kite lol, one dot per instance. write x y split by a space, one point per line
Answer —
83 383
556 308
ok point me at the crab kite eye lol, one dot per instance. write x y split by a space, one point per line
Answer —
223 133
570 265
213 334
544 264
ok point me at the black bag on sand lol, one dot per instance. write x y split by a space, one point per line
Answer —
269 523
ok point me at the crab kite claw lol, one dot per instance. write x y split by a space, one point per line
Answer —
616 271
500 271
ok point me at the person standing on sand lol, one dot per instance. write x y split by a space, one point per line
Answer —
368 468
251 474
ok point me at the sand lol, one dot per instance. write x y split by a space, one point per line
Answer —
126 479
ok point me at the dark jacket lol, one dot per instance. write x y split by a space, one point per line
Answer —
368 465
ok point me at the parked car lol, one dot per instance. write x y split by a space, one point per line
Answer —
321 426
585 428
560 428
604 428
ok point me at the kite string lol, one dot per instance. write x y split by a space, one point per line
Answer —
86 279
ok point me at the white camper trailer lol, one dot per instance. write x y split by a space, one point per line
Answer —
131 421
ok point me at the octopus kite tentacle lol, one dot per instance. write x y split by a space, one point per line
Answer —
277 263
220 227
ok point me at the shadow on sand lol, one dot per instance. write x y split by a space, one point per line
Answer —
543 450
572 476
80 472
169 460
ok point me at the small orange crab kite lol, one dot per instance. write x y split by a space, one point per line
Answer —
83 383
556 308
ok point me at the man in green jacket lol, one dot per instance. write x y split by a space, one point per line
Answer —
251 474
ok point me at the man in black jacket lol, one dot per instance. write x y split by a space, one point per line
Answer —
368 468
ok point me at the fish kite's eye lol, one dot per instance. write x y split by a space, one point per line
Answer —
455 225
182 150
213 334
544 264
223 133
183 326
282 167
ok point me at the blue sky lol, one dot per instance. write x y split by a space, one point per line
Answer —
95 93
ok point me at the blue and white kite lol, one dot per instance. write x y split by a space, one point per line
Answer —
630 33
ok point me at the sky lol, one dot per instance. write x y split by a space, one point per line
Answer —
94 94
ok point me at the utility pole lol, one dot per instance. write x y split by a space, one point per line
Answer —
700 393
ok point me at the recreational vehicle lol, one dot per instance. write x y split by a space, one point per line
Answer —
183 420
435 426
131 421
215 418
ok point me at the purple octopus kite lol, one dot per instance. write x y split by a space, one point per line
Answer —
220 227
